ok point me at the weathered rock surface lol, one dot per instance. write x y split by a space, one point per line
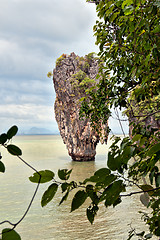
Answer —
144 113
71 76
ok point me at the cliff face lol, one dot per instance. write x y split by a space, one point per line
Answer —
149 122
145 113
71 76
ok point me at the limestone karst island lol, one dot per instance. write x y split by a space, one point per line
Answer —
71 77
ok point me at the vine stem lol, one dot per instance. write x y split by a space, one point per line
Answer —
32 199
116 111
138 192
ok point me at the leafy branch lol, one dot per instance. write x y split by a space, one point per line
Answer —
106 185
10 233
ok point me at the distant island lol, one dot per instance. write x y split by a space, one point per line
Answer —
38 131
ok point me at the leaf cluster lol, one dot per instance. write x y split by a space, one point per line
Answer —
128 36
5 142
9 233
103 186
80 81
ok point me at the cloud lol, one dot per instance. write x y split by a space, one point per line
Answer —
34 31
19 63
50 19
33 34
26 116
24 91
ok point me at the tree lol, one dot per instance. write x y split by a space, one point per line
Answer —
128 34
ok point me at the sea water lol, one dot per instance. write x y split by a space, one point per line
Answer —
54 222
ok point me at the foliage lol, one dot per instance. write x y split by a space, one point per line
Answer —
12 149
90 57
81 82
145 112
102 187
49 74
46 176
5 138
60 59
128 35
10 234
106 185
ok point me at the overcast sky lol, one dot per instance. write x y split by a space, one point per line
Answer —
33 34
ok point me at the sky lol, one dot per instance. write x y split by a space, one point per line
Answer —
33 34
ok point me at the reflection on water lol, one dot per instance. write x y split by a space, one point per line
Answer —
55 222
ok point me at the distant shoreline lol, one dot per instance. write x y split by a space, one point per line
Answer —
38 134
58 134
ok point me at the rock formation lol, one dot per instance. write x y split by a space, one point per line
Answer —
146 113
71 76
149 122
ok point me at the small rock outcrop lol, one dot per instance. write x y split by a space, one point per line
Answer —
71 77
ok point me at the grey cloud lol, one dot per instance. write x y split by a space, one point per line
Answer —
26 116
17 62
32 35
34 31
49 19
24 92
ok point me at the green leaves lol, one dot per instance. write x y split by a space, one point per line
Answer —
14 150
118 157
98 176
64 198
113 163
64 174
157 179
7 136
128 10
128 37
155 175
154 149
49 194
111 194
78 199
136 138
127 3
12 132
134 33
45 175
3 138
91 212
102 178
2 167
9 234
64 186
